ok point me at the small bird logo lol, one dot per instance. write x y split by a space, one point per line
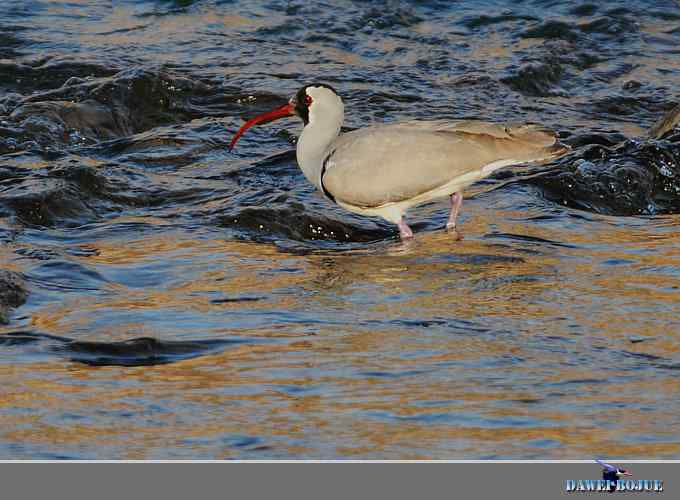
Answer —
612 473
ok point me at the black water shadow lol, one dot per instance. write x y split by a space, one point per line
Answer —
140 351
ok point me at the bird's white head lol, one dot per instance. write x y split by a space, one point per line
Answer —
322 112
318 104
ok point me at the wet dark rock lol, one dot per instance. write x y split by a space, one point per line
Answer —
51 122
87 110
293 221
13 293
637 177
143 99
90 117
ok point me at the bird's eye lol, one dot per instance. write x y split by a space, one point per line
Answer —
308 100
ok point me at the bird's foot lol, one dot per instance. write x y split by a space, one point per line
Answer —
404 231
451 229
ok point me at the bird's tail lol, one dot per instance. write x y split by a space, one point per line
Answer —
538 143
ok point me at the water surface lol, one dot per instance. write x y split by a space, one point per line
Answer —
186 302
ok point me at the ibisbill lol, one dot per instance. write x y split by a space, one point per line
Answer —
383 170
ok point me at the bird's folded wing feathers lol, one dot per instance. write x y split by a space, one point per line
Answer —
531 132
383 164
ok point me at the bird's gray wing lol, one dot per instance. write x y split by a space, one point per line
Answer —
389 163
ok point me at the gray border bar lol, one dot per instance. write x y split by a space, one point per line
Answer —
299 481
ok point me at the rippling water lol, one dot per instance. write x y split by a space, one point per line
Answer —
165 298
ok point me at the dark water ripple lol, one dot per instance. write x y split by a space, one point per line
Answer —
142 351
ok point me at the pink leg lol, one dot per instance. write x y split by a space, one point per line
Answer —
404 231
456 203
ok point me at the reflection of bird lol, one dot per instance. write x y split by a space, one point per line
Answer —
612 473
384 170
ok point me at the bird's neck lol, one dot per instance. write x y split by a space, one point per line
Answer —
314 142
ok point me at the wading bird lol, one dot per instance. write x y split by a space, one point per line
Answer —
383 170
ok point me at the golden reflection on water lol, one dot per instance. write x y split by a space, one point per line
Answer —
491 346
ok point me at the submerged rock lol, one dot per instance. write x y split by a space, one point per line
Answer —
636 177
91 118
88 110
13 293
294 221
